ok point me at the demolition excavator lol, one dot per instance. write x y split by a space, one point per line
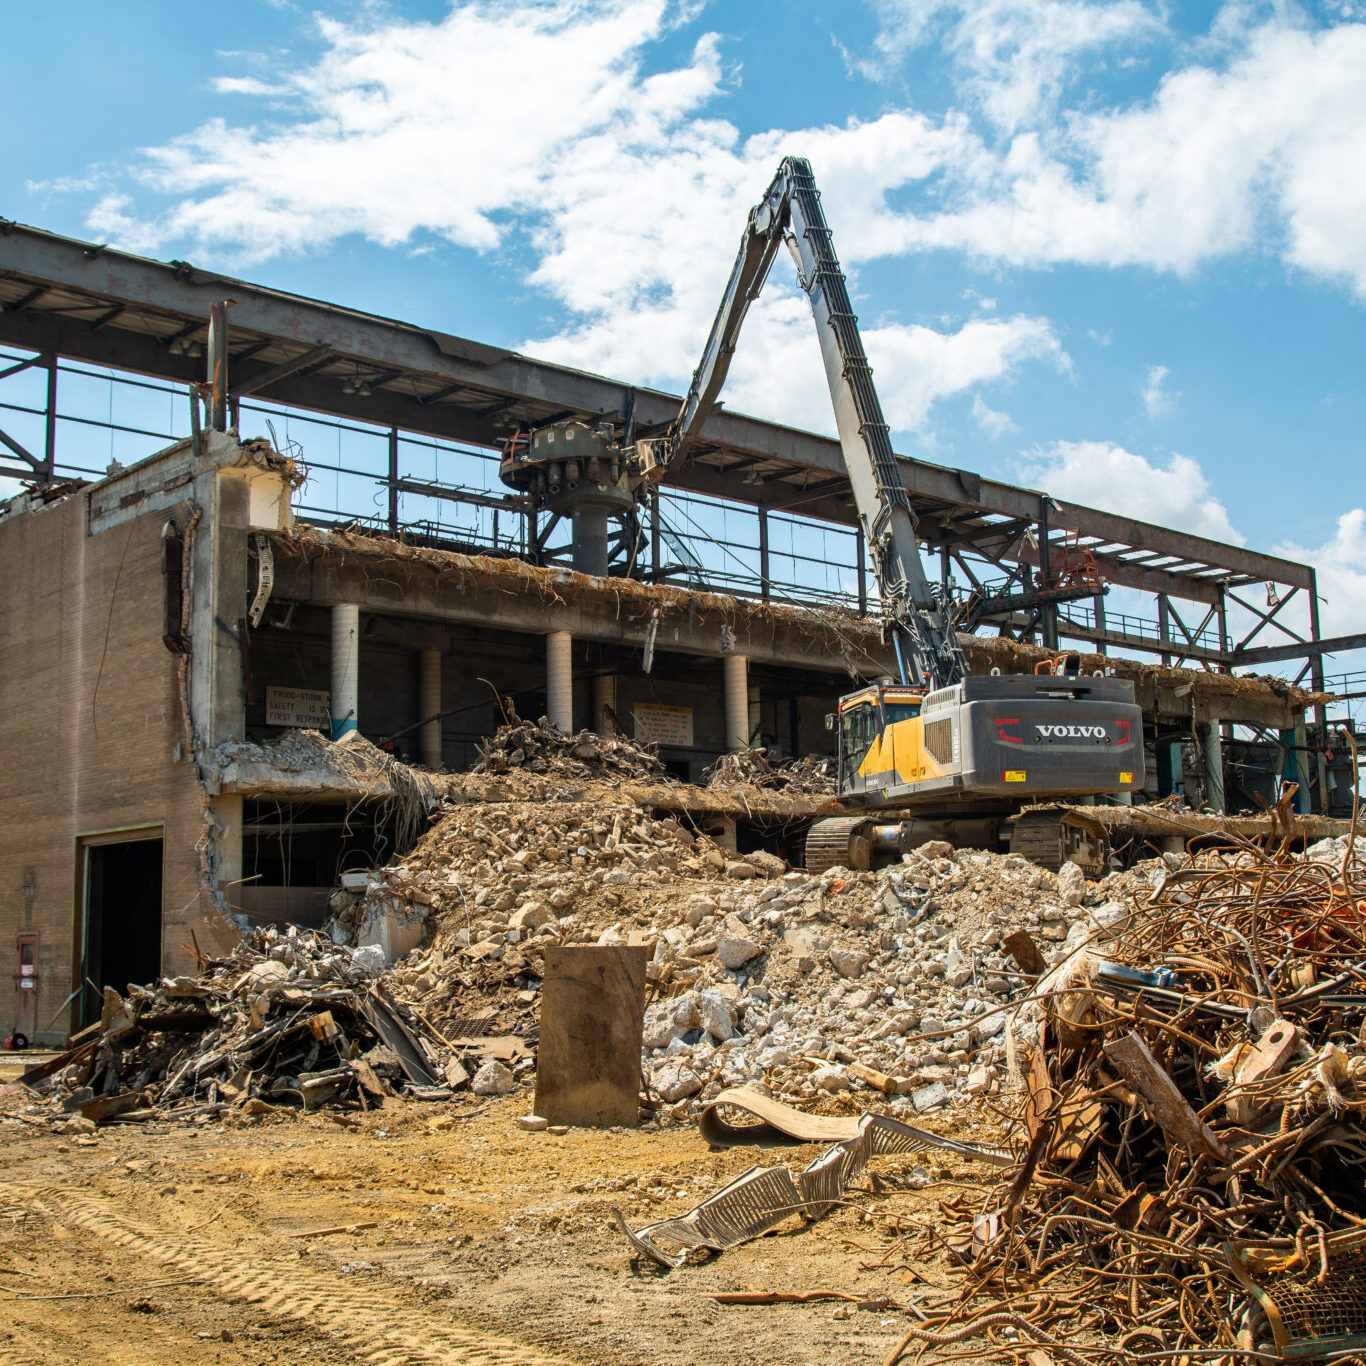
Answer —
938 753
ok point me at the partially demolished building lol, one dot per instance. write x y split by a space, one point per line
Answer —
180 628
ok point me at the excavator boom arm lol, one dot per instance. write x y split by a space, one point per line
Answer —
926 645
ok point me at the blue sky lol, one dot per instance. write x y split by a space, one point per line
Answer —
1115 250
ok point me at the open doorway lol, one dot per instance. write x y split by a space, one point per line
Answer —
121 917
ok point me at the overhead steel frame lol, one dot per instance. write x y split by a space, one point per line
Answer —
60 297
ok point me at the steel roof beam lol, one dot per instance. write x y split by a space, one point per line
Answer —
178 291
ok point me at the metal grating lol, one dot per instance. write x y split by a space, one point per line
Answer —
939 740
1306 1320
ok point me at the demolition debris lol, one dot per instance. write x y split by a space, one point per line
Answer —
286 1020
538 747
1191 1116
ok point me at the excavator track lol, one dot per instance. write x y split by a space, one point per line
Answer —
1053 835
835 843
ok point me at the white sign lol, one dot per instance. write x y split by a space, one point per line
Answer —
299 707
665 726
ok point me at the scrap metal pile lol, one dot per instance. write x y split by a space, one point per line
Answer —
1194 1176
287 1019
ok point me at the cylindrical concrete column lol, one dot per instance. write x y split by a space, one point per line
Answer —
428 705
737 701
559 680
345 668
590 540
604 699
1214 766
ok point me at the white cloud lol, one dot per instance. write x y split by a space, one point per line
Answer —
1260 151
1015 55
1340 563
630 195
401 128
630 191
246 85
1158 400
1101 474
992 422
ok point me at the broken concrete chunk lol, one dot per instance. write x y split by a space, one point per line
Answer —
740 869
734 946
666 1021
261 977
493 1079
935 849
369 958
532 916
714 1015
1071 884
848 962
979 1081
930 1097
532 1123
831 1078
769 865
675 1081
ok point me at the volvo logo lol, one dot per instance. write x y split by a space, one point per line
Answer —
1071 732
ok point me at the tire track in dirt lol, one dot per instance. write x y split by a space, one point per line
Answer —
355 1315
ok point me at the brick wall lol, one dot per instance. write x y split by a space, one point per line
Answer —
89 723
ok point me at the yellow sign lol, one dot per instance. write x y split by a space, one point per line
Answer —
1013 775
1126 777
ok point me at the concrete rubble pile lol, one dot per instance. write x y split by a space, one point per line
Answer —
812 984
494 883
538 747
288 1019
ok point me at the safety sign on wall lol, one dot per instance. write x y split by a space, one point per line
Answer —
665 726
305 708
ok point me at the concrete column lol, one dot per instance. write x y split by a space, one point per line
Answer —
604 696
737 701
226 812
429 704
559 680
345 668
1168 766
1295 769
1214 766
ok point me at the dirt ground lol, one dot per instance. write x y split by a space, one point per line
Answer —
466 1240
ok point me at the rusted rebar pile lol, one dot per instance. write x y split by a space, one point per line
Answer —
1192 1172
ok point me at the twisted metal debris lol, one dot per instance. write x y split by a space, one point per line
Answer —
764 1197
1195 1174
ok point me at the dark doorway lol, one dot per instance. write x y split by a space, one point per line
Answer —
121 943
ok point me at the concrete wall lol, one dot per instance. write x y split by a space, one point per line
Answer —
89 723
